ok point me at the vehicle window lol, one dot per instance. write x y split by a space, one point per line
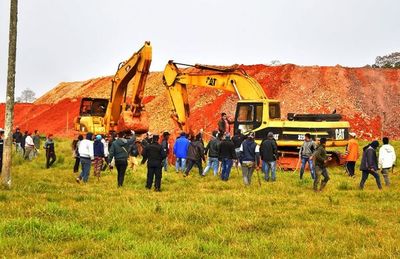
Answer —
274 111
259 111
246 113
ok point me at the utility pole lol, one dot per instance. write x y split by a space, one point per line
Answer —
12 54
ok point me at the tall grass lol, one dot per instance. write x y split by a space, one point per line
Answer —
47 214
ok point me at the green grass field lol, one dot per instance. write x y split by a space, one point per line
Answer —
47 214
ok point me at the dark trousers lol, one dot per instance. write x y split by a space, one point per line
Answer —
76 165
364 178
190 163
350 165
319 170
50 159
121 166
154 172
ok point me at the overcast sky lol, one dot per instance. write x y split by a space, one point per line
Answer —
72 40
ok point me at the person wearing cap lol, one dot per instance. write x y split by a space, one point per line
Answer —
165 146
180 152
321 159
1 148
226 155
369 164
17 139
98 152
50 151
351 154
306 150
269 155
29 146
387 159
119 152
154 154
86 156
249 158
212 149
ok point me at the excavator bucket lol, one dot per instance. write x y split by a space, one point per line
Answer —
140 124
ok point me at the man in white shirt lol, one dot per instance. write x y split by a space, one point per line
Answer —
387 159
29 147
86 156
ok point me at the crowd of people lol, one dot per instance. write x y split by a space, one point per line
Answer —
221 154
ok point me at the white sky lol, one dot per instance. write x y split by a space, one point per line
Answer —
71 40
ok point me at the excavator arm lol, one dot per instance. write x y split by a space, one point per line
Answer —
121 115
233 80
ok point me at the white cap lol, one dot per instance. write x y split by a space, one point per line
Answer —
1 130
353 134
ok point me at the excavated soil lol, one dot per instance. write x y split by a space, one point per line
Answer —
368 98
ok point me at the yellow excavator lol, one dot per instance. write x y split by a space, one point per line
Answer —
255 112
101 116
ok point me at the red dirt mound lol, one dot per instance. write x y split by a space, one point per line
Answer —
368 98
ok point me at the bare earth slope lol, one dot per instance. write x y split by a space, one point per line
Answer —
368 98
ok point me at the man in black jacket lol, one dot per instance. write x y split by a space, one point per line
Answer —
165 146
154 154
212 150
195 155
369 164
321 158
269 155
17 138
226 155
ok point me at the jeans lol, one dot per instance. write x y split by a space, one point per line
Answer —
212 163
165 164
191 163
86 163
247 172
121 166
267 167
154 172
304 161
50 159
350 165
364 178
180 164
318 172
226 167
385 173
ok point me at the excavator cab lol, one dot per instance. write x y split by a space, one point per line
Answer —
91 115
251 115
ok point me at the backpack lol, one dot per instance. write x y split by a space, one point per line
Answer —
133 150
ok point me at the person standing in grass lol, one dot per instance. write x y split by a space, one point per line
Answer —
119 152
75 151
29 146
305 153
17 139
1 148
180 152
195 155
387 159
165 146
86 156
154 154
50 151
369 164
269 155
212 150
98 152
249 158
351 154
36 142
226 154
321 158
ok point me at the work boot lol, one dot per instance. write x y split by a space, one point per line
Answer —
323 184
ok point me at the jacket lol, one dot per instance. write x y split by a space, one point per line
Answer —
387 156
165 146
98 148
269 150
249 151
36 141
307 149
226 150
17 136
352 150
119 149
181 147
49 146
369 161
320 156
224 125
237 140
85 149
195 151
212 148
154 154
